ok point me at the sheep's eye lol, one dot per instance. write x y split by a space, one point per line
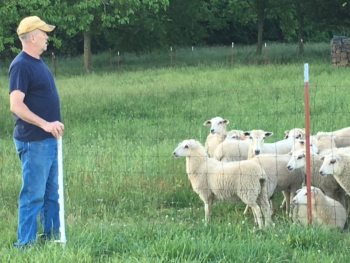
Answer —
186 147
333 161
299 157
250 137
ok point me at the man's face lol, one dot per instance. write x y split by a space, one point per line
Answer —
40 38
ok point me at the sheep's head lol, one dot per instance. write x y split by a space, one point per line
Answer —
257 139
185 148
217 125
331 165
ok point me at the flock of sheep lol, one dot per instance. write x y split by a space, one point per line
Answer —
238 165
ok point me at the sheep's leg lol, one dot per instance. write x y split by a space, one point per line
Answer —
246 210
207 211
207 208
257 215
291 196
272 205
265 205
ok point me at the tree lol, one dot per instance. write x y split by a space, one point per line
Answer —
94 16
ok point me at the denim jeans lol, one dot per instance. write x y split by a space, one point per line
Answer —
39 192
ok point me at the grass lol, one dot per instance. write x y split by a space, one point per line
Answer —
128 200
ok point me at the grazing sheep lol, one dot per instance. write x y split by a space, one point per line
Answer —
342 137
279 178
217 134
232 150
211 179
325 210
296 133
327 184
338 165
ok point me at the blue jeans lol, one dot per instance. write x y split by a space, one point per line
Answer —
39 192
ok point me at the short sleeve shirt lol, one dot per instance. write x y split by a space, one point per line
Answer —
35 80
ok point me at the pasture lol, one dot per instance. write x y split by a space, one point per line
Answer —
128 200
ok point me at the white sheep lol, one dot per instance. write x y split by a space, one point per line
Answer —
325 210
342 137
327 184
234 181
338 165
296 133
231 150
300 145
324 142
258 145
279 178
217 134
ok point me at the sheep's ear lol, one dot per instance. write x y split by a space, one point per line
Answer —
207 123
268 134
290 153
243 136
192 144
225 121
337 158
286 132
246 133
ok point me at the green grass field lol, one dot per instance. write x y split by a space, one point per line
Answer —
128 200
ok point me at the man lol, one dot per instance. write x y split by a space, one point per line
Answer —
35 104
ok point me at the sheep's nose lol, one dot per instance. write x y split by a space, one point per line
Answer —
289 167
212 131
257 152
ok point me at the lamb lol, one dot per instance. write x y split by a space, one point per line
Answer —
327 184
217 134
300 145
325 210
324 142
279 178
338 165
342 137
233 181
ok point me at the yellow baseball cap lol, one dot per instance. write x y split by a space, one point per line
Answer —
31 23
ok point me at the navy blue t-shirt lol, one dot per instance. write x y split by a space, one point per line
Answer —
35 80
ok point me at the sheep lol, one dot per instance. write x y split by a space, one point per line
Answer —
235 134
217 134
232 150
279 178
324 142
296 133
258 146
233 181
338 165
327 184
300 145
342 137
325 210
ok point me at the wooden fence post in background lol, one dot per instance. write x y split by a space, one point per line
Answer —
265 58
118 62
110 58
53 63
233 44
171 56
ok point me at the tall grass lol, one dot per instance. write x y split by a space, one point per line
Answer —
129 200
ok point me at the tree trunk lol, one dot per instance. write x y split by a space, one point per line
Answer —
300 28
87 51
